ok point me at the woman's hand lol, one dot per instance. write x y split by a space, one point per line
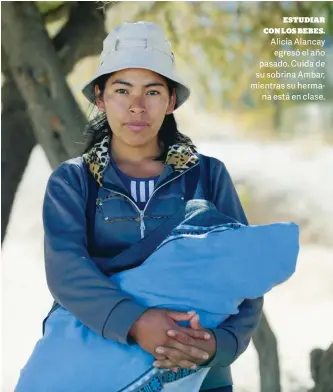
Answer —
150 332
173 357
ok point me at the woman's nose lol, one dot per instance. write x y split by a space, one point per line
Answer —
137 106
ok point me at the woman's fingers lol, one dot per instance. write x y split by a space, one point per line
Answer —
188 365
160 357
169 364
201 334
195 323
181 337
181 352
179 316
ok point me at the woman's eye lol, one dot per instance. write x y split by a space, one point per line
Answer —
153 92
121 91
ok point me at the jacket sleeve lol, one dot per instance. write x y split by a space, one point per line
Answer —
234 334
73 278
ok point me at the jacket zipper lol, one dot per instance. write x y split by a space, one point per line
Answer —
142 212
142 224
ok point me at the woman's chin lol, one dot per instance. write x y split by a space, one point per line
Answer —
139 140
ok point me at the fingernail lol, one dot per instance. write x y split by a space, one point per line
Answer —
171 333
156 364
205 356
191 312
159 350
193 367
207 336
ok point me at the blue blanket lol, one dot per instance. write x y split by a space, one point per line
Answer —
223 261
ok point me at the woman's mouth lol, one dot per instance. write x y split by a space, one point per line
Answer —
136 125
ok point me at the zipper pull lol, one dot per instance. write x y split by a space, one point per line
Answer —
142 224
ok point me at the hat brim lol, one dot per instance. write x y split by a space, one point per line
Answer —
145 60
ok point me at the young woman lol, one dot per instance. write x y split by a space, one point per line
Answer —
139 160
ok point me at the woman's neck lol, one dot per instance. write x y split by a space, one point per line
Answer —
122 153
137 161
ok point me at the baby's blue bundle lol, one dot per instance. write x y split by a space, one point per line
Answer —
209 263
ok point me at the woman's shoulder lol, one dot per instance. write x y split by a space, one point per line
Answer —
72 172
71 165
213 162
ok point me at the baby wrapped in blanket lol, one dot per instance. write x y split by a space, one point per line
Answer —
224 262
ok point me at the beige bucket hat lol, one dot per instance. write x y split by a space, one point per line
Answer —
138 45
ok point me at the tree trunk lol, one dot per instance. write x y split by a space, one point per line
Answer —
38 74
321 366
17 142
81 36
266 345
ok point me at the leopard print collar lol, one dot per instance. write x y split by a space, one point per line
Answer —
180 157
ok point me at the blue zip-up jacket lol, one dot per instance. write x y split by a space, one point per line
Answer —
76 278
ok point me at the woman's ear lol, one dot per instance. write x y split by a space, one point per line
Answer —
99 100
172 102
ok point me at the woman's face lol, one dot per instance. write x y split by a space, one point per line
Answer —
136 102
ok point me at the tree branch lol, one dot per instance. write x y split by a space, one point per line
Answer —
18 137
56 117
82 35
54 14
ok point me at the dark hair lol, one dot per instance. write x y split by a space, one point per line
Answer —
98 127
